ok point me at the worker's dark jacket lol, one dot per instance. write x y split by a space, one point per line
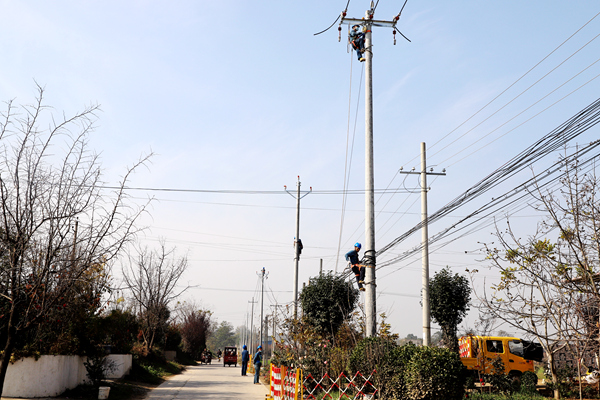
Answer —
352 256
257 358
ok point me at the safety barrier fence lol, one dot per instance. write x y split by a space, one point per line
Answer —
289 384
285 383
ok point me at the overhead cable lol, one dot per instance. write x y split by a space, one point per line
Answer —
557 138
522 192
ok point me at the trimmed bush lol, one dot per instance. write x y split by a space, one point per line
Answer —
434 373
399 359
379 354
529 382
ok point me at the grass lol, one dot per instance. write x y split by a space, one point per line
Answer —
145 374
119 390
152 371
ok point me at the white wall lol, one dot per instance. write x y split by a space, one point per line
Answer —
50 376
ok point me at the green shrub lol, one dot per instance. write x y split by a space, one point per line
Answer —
434 373
495 396
565 377
400 357
376 353
528 382
498 378
97 366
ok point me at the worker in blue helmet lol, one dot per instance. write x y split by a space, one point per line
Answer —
356 266
357 39
257 361
245 359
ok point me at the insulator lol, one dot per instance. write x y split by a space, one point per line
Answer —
394 37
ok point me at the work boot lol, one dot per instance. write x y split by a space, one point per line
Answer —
361 59
362 289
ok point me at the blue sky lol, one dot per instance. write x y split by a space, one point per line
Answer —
238 95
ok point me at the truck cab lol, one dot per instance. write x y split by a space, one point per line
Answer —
478 352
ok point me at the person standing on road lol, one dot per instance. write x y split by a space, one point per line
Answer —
245 359
257 361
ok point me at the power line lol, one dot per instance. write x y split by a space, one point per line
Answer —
515 82
348 165
264 192
558 137
538 182
235 290
504 91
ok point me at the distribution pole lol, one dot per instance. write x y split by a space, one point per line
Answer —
425 250
245 336
369 255
252 326
262 302
297 243
273 334
425 243
369 258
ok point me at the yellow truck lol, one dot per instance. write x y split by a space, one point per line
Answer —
478 352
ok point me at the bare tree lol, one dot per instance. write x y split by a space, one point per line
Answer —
548 288
58 225
152 278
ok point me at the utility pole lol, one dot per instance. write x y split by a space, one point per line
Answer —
425 242
369 255
273 330
297 243
252 325
262 302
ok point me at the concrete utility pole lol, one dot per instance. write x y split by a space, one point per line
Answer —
297 243
251 325
369 247
425 243
262 302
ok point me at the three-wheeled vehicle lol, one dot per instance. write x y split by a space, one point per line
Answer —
206 357
230 356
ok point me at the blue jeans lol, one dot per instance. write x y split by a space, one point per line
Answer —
257 372
360 45
244 367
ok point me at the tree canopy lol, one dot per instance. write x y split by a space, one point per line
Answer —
449 301
327 301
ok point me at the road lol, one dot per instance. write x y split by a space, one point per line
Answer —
208 382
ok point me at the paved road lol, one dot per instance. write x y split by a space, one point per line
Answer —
207 382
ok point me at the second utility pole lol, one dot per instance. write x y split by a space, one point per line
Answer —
297 244
262 302
425 242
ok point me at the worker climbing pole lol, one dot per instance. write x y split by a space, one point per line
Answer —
362 29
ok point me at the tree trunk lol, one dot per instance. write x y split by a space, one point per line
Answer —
6 355
554 375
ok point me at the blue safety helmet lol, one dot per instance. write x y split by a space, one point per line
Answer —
259 347
244 347
357 245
